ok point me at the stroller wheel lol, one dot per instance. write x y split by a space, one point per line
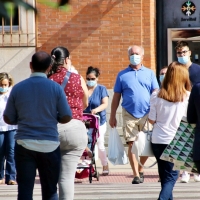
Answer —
97 176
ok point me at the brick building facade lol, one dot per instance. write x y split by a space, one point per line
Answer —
99 32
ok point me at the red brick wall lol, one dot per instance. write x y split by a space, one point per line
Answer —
99 32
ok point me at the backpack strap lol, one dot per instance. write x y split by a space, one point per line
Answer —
65 81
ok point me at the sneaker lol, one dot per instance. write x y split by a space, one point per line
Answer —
141 177
136 180
185 177
105 171
11 182
196 177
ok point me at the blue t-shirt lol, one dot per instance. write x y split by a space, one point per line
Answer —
35 105
194 73
136 87
95 100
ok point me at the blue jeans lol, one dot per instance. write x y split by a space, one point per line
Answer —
48 165
7 145
168 177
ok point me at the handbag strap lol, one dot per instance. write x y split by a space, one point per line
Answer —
66 78
146 121
138 158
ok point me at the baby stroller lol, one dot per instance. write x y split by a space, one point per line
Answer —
88 165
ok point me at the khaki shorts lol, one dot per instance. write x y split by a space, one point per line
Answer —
132 125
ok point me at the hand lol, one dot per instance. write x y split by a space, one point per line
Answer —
113 122
94 112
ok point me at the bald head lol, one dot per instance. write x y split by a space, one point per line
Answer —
40 61
139 48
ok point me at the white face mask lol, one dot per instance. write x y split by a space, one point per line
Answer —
183 60
4 89
135 59
91 83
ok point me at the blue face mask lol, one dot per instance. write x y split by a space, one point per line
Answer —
91 83
3 90
135 59
161 77
183 60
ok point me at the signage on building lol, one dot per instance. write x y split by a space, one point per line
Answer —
188 9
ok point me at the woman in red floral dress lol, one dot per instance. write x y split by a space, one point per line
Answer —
73 135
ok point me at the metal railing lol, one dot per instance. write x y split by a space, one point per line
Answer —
19 31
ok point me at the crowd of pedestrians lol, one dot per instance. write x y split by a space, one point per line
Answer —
41 124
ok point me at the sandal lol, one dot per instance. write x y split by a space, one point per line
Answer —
2 181
105 170
12 182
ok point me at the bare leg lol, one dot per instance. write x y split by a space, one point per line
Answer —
143 159
133 162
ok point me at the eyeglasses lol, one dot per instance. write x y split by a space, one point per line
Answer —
90 79
182 52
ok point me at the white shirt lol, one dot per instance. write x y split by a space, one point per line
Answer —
167 116
3 102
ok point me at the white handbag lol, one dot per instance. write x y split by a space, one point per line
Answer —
142 146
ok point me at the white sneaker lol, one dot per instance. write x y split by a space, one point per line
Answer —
196 177
185 177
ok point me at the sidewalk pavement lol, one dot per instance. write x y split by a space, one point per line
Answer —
127 167
123 173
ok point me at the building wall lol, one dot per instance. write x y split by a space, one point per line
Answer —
99 32
15 61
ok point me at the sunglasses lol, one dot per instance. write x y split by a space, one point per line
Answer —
182 52
91 79
162 73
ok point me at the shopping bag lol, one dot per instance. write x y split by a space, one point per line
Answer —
180 150
142 146
116 152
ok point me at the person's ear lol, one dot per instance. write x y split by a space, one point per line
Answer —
48 69
31 67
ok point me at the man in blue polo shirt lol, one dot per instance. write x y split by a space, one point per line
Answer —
135 84
183 54
36 105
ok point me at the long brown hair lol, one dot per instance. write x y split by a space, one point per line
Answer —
176 83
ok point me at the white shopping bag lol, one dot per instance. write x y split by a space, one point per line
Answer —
116 152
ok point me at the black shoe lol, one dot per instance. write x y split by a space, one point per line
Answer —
136 180
141 177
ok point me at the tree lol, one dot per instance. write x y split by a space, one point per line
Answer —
7 6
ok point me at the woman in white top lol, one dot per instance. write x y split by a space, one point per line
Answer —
167 107
7 132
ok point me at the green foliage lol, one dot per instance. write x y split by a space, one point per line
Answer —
7 6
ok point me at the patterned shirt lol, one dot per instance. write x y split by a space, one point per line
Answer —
73 90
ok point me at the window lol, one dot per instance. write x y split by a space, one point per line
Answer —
20 29
14 19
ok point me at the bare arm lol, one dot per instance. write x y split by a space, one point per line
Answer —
85 90
103 106
114 106
151 121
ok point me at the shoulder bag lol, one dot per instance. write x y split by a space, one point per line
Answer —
180 149
142 145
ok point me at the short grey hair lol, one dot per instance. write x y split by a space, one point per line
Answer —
129 49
